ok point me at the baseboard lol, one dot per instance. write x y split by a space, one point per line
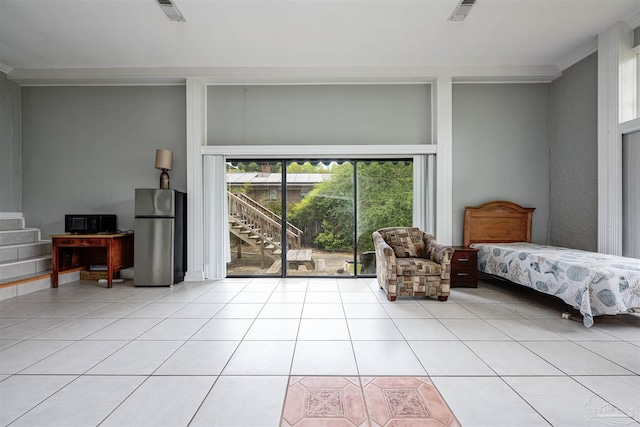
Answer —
194 276
37 282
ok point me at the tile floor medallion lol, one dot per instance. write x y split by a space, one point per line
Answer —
405 402
366 401
324 402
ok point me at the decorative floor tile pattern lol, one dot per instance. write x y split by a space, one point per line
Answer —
405 401
365 401
324 402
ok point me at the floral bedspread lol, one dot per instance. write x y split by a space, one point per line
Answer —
593 283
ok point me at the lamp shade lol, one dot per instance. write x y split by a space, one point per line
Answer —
164 158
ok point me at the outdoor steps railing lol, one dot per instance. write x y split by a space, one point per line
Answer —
259 220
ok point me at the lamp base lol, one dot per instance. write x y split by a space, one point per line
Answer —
164 180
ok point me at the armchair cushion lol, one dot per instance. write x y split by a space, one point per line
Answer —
405 242
417 267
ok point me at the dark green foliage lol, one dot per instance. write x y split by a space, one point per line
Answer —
326 214
385 197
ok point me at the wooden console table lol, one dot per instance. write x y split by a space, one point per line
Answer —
73 250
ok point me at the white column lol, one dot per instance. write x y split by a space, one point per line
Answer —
196 138
444 159
612 82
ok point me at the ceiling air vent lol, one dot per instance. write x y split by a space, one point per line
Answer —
171 10
462 10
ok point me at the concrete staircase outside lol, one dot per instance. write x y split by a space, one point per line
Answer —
25 260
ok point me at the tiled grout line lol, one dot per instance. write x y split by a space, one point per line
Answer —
243 337
340 290
605 357
76 341
173 353
464 342
609 401
221 370
353 350
525 400
359 376
293 355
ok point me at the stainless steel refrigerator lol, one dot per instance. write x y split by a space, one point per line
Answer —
160 250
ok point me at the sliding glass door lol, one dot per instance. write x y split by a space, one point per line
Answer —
320 201
315 217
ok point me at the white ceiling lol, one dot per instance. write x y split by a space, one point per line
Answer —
39 35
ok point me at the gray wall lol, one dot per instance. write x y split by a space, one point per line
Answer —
85 149
319 115
573 168
501 149
10 146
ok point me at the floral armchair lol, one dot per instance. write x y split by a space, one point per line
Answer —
411 262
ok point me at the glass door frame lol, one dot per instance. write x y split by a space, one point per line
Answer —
431 190
285 162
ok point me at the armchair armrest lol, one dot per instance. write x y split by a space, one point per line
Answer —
384 253
439 253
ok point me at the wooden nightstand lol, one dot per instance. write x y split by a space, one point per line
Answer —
464 267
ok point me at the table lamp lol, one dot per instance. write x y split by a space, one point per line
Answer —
164 158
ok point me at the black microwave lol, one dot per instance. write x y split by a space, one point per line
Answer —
90 224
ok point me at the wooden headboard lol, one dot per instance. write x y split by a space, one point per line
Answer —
497 222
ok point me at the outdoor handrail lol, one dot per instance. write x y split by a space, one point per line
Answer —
256 217
268 212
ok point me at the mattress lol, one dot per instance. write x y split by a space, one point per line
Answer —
593 283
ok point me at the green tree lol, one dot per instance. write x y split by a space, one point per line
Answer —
326 213
385 199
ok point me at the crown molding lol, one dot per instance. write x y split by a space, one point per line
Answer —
5 68
281 75
97 76
634 21
579 54
591 47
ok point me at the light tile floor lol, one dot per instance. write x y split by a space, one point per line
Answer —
221 353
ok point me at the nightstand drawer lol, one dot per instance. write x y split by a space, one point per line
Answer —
464 275
464 257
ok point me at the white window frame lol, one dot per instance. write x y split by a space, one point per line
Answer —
216 230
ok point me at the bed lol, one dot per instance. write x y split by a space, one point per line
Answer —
593 283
